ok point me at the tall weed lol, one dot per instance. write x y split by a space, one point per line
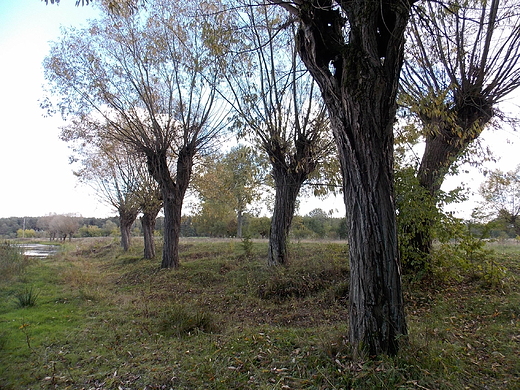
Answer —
27 297
12 261
247 246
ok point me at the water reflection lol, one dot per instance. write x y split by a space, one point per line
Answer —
39 250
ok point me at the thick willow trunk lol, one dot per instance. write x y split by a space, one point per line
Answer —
125 236
173 196
358 79
441 150
287 189
376 304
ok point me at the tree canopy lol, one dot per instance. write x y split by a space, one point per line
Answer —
462 60
229 184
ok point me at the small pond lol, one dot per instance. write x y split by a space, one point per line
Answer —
39 250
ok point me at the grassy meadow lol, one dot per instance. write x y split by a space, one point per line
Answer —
94 317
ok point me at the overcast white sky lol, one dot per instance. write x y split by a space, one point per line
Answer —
35 177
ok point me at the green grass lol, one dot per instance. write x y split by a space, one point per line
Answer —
106 319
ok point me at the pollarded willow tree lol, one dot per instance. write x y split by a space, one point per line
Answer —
278 108
463 59
62 225
354 50
109 169
149 78
118 175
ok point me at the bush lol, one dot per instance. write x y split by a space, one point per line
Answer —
91 231
247 246
466 256
27 233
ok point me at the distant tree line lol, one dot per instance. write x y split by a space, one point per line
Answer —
55 226
315 225
497 229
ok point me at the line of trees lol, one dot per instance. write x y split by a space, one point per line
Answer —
168 79
146 80
315 225
157 84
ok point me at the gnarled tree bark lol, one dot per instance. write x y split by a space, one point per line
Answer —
148 223
358 74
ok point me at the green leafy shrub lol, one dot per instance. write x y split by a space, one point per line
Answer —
490 272
27 233
465 256
416 215
91 231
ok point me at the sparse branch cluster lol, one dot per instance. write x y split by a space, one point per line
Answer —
278 107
